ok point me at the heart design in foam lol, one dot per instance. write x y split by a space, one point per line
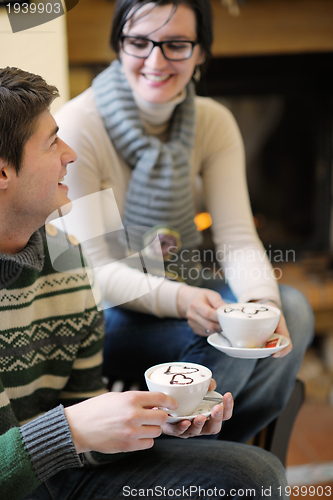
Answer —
181 379
184 369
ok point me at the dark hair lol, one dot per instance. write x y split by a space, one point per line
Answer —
23 98
201 8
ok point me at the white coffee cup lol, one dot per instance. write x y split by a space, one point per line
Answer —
248 324
186 382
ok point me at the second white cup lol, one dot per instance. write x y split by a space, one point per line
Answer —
248 324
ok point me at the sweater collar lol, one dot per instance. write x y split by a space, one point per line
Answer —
156 116
31 257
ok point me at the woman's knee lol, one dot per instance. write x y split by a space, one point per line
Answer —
298 313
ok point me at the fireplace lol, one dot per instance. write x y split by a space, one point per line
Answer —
284 107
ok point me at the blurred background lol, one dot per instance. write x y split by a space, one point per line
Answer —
272 66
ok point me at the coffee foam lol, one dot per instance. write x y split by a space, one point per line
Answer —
181 374
249 311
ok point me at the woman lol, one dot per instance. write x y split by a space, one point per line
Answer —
141 131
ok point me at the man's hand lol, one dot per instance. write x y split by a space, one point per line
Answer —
202 425
199 306
118 422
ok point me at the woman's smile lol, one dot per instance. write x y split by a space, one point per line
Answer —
156 78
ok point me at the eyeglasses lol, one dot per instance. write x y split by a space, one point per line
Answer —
172 50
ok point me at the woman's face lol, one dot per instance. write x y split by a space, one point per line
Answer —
155 78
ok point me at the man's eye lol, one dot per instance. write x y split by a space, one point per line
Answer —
55 141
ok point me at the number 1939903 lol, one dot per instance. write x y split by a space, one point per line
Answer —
302 491
34 8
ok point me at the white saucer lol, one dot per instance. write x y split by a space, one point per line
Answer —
204 408
216 340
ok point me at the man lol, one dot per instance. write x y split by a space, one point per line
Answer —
54 411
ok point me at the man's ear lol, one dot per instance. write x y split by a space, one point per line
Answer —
5 174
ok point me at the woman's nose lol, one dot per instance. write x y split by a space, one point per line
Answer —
156 58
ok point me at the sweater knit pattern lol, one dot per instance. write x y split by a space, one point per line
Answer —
51 339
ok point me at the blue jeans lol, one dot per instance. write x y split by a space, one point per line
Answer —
260 387
173 469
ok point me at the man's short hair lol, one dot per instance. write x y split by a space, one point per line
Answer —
23 98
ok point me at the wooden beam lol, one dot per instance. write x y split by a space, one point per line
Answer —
263 27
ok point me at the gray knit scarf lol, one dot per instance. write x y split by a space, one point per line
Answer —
32 257
159 192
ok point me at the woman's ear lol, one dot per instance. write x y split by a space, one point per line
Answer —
201 57
200 61
197 74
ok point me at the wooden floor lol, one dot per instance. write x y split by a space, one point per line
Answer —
312 437
312 444
310 453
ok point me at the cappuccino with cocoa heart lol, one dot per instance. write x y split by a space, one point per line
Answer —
175 374
187 383
248 324
248 311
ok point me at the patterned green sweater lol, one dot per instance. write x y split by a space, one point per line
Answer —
51 339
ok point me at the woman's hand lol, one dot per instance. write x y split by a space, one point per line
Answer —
198 306
201 425
282 329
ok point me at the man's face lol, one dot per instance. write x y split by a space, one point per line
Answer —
38 189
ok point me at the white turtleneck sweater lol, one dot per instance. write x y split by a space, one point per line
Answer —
217 158
155 116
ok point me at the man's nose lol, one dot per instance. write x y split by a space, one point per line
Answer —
68 155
